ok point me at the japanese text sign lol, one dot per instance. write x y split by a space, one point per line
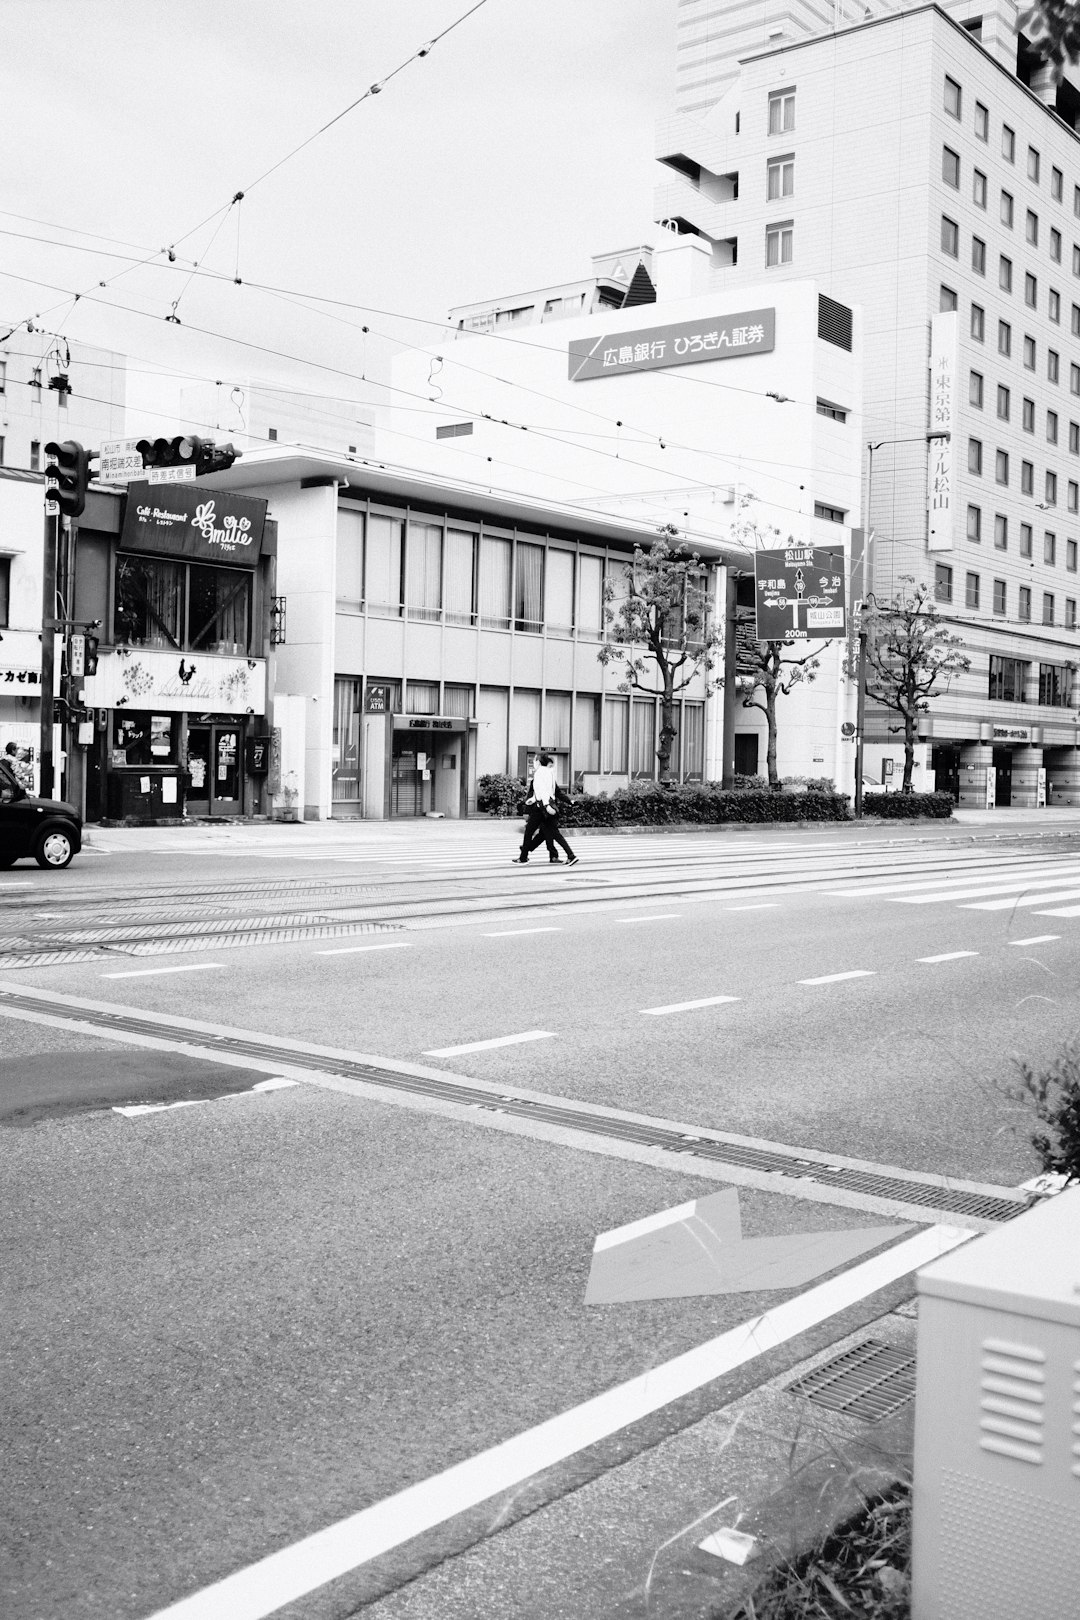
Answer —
799 593
184 520
723 337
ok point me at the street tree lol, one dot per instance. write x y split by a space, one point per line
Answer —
767 670
1053 27
911 656
660 629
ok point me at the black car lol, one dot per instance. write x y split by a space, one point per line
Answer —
47 829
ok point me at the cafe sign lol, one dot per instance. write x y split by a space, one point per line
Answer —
654 348
181 520
140 678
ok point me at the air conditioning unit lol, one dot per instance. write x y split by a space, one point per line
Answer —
996 1496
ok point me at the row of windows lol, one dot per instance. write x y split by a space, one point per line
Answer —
950 244
1026 539
976 398
943 591
1027 476
1010 681
950 173
954 105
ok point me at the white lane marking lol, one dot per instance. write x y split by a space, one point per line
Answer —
947 956
688 1006
146 973
277 1082
290 1574
1063 911
970 891
351 950
661 916
1036 939
485 1046
508 933
999 875
648 1223
766 905
1037 899
28 885
834 978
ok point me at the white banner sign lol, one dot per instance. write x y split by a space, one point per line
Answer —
137 678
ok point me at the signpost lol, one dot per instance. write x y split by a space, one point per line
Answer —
799 594
169 475
119 461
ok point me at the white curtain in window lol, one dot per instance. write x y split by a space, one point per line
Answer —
642 740
676 741
693 741
559 608
458 585
458 700
346 741
423 572
589 598
614 739
556 720
494 582
492 712
529 587
382 579
524 722
349 588
587 733
422 697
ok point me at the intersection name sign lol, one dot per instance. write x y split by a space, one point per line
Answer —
120 462
799 594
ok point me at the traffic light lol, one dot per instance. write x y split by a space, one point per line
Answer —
187 451
90 656
216 457
67 474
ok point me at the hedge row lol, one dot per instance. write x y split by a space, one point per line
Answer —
905 806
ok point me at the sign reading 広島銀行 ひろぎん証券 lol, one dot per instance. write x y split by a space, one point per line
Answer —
652 348
189 520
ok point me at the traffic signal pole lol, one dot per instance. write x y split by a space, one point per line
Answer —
48 651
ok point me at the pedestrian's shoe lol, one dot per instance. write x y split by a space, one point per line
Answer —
553 860
572 861
520 860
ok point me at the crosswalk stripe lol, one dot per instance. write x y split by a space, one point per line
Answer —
1010 901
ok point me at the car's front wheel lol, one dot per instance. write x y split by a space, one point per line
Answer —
54 848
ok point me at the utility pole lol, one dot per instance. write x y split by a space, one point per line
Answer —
727 779
48 647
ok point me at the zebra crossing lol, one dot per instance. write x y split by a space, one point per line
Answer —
1047 887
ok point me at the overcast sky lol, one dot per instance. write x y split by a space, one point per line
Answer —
499 162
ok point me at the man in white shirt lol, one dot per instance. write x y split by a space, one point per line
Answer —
542 824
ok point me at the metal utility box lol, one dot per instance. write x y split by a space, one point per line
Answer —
996 1499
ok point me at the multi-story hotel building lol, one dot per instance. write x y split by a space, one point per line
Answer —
922 165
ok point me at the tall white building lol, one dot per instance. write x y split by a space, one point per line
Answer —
53 389
927 170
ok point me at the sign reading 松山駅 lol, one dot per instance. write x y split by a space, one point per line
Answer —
723 337
799 593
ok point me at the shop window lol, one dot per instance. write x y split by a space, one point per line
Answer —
219 609
148 603
614 739
144 739
459 701
345 755
586 754
693 742
421 697
643 737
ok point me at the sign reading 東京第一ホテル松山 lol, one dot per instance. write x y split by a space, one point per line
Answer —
799 593
944 362
721 337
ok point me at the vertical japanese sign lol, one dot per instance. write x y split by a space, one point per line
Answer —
941 470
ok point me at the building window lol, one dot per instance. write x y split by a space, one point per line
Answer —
831 514
1031 290
1057 184
1049 548
778 243
1024 609
836 413
1007 209
1008 677
447 430
35 455
1073 497
950 167
5 591
999 598
1048 608
978 322
1075 320
975 456
1053 306
942 582
782 111
1033 165
982 121
950 237
974 524
1003 402
271 434
1028 414
1070 613
1051 427
1025 540
947 299
1027 478
529 588
1001 532
1076 201
1053 365
1031 228
780 177
1055 685
978 189
1004 338
1008 144
953 97
978 256
1029 353
1001 467
971 592
975 390
1070 555
1076 260
1074 438
180 606
1051 488
1005 274
1055 245
384 556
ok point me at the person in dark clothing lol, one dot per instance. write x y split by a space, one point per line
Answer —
541 794
10 785
550 833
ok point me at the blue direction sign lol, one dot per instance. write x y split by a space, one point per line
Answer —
799 594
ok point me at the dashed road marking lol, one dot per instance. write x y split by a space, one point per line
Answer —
146 973
508 933
688 1006
351 950
947 956
661 916
834 978
1036 939
486 1046
764 905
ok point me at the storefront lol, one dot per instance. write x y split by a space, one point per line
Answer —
180 695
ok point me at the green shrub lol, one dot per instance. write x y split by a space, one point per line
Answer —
500 795
1054 1094
906 806
648 804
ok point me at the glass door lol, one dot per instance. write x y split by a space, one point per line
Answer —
225 800
215 786
197 800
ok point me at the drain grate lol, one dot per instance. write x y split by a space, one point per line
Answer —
869 1382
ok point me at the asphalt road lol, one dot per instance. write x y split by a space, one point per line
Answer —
233 1323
